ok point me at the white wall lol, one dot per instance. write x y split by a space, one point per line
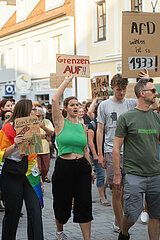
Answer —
6 11
81 39
60 27
24 8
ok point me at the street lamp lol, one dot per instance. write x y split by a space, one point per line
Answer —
154 4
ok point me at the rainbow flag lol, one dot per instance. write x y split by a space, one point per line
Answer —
7 135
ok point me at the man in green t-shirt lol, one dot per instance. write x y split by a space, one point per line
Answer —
139 130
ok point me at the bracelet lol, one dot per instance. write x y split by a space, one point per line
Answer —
15 145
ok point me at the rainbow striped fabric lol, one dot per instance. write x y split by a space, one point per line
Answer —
7 135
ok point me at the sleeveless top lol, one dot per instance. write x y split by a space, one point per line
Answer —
72 139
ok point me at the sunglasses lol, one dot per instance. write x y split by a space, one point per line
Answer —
153 90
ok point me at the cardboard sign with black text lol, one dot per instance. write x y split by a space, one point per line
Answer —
99 86
78 66
140 43
29 128
55 81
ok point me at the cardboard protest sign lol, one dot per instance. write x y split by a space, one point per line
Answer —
130 91
55 81
99 86
29 128
78 66
140 43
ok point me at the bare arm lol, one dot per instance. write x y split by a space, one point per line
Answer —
47 130
86 150
91 144
118 141
12 148
100 128
58 119
90 112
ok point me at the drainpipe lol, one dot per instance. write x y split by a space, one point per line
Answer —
75 45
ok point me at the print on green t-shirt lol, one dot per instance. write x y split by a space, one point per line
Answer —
147 131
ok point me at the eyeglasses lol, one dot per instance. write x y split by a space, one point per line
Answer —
153 90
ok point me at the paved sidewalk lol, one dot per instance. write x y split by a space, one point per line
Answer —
101 225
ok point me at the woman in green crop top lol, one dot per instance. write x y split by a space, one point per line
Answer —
73 174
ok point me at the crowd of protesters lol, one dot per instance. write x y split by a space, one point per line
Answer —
88 142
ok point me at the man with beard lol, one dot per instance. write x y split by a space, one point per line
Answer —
139 130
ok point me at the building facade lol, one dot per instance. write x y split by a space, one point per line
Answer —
33 31
29 41
104 42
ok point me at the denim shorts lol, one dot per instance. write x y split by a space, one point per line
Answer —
109 167
100 173
134 189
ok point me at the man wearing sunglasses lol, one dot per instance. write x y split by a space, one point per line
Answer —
139 130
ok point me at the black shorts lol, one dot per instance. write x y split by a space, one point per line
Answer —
72 178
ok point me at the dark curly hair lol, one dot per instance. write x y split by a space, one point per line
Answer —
66 100
118 81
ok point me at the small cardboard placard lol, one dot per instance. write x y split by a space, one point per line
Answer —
140 43
130 91
29 128
99 87
55 81
78 66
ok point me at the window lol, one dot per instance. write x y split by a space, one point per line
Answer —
54 45
101 21
23 97
43 99
52 4
22 55
9 58
136 5
37 52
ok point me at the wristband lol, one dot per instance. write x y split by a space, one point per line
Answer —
15 145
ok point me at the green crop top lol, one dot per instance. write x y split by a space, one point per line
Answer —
72 139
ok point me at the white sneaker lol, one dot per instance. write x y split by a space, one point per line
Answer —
115 228
61 236
144 217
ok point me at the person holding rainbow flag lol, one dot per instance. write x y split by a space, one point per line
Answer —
20 179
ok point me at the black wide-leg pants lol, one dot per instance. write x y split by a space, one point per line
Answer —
15 189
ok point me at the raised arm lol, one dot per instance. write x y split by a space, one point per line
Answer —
58 119
90 112
144 74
